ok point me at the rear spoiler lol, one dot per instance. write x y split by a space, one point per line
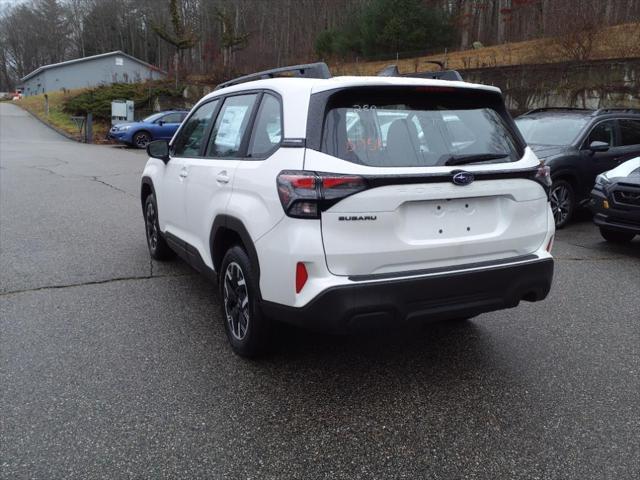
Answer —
451 75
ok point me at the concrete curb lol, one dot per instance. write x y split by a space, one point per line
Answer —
47 124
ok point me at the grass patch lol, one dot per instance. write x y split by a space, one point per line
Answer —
57 116
65 104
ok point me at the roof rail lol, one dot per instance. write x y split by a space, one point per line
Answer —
451 75
602 111
310 70
560 109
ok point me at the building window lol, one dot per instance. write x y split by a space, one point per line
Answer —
119 61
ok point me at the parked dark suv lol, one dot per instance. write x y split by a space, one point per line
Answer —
579 144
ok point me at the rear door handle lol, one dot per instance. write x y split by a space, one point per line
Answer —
184 173
222 177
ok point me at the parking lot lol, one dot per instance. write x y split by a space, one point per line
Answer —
114 366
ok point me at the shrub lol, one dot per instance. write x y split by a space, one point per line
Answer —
98 100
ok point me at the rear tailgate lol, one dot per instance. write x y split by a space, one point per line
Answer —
400 228
413 217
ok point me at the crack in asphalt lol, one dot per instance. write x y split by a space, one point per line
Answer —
93 178
97 179
44 169
137 172
616 255
96 282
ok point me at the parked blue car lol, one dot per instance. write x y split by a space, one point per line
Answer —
159 126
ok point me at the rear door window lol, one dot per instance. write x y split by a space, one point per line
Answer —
230 126
412 127
629 132
172 118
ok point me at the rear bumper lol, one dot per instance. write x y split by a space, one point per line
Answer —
435 297
614 218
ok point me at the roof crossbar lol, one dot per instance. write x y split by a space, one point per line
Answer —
451 75
309 70
558 109
602 111
594 112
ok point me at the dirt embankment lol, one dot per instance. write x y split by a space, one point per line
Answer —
619 41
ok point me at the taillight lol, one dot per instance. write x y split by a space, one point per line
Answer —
305 194
298 194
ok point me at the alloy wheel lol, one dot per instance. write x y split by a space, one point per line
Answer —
141 140
236 301
152 229
560 203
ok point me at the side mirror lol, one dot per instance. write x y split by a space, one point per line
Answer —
159 149
597 146
161 122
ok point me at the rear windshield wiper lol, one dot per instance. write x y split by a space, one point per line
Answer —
480 157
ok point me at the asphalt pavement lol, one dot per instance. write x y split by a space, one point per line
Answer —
113 366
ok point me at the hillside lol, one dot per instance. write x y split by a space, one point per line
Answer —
620 41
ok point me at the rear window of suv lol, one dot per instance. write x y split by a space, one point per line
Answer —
415 126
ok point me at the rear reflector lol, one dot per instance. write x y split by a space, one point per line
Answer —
550 244
301 276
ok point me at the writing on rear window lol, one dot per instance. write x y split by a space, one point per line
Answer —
410 128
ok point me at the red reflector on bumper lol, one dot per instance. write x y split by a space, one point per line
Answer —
301 276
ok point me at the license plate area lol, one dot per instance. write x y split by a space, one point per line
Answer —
448 219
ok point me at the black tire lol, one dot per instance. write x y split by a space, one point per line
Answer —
615 236
563 202
158 248
248 330
141 139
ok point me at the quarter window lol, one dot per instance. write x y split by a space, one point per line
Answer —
267 133
629 132
190 137
230 126
603 132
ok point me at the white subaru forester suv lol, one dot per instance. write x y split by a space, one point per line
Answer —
337 203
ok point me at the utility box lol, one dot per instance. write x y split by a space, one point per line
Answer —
121 111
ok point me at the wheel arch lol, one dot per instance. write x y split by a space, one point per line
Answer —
567 176
142 130
227 231
146 188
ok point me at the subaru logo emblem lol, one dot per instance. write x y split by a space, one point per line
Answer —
462 178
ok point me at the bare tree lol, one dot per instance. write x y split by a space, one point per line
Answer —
181 37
